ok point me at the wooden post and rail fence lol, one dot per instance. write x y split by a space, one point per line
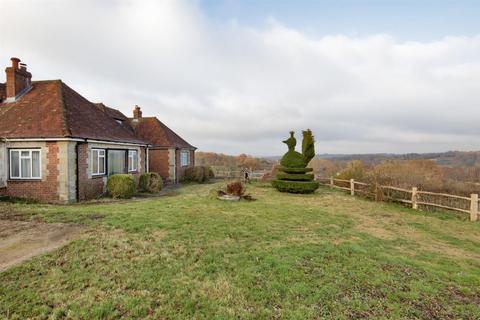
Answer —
412 197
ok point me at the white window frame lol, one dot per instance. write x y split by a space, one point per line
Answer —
184 162
132 164
99 156
20 164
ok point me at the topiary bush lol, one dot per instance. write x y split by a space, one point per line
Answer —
295 186
295 170
121 186
150 182
308 146
292 175
198 174
295 176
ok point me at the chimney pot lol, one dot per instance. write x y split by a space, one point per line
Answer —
18 80
15 62
137 112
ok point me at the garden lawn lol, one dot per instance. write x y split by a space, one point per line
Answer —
189 255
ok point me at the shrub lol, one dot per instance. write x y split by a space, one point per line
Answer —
236 188
150 182
198 174
121 186
293 159
295 176
355 169
292 175
295 186
210 173
295 170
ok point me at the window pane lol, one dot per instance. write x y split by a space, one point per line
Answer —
184 158
25 153
101 164
94 161
116 161
132 160
35 164
15 164
26 169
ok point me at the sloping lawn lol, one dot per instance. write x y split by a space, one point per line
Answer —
189 255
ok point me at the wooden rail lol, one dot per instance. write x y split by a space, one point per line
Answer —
413 195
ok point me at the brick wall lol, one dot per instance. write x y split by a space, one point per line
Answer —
45 189
158 162
180 169
93 187
88 188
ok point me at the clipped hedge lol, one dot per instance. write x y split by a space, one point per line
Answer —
150 182
295 176
198 174
295 186
292 159
295 170
121 186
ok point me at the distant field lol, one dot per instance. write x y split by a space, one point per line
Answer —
188 255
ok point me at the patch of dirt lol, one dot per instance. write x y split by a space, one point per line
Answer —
22 240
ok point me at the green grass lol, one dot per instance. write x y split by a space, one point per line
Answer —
189 255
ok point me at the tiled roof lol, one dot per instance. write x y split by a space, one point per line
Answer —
153 131
114 113
51 109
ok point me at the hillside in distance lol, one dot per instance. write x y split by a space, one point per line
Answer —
449 158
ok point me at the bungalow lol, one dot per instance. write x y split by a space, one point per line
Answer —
56 146
169 155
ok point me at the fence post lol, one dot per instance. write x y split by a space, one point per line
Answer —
473 207
331 182
414 198
352 187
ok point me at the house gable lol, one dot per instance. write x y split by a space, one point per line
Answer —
157 134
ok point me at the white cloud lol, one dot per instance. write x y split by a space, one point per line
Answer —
231 88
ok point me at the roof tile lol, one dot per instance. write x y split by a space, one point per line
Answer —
157 133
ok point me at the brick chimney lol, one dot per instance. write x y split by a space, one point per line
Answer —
137 113
19 80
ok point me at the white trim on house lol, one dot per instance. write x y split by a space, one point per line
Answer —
118 143
133 157
30 157
99 156
75 139
147 165
41 139
3 164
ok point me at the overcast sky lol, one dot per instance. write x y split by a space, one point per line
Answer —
236 76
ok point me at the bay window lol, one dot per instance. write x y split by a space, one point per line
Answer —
98 162
25 164
132 160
